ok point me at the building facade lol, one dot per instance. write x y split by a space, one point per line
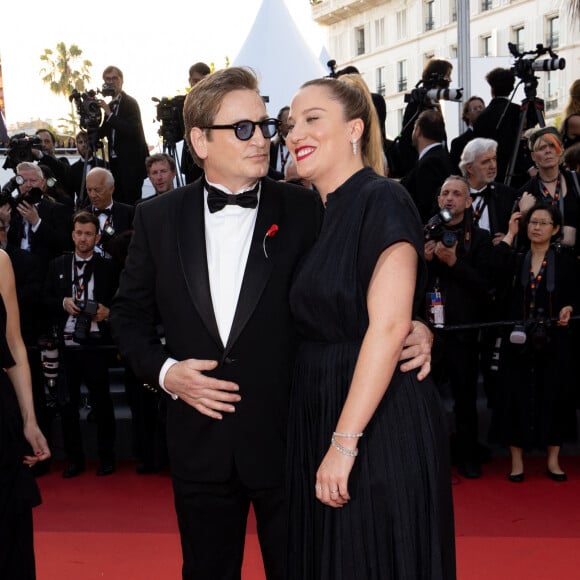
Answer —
389 41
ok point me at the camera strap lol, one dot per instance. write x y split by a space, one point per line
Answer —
547 271
81 280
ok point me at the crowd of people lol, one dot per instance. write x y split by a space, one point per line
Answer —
295 355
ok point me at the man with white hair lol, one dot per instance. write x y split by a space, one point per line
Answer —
492 201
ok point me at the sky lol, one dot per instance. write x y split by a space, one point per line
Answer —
152 42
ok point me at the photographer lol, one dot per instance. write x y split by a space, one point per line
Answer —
38 224
500 121
537 375
458 258
87 161
114 217
46 155
433 166
125 137
436 75
78 291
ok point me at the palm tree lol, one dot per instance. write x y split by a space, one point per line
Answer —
60 74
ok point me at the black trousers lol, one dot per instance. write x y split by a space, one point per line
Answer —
461 367
212 521
90 367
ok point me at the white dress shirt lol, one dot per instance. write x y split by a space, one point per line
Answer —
228 236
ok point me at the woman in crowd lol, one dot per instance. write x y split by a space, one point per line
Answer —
369 478
553 185
22 444
537 407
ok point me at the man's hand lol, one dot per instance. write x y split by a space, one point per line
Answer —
102 313
527 202
429 249
5 213
446 255
208 395
70 306
417 350
28 212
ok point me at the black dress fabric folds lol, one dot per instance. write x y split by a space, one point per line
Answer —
18 490
399 522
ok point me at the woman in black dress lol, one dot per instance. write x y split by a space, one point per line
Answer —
21 442
369 480
537 376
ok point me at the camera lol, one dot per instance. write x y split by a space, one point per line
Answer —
524 68
535 330
49 357
429 92
11 194
88 109
20 149
107 90
170 115
82 332
434 229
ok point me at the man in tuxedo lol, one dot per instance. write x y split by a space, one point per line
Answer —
493 202
279 154
87 161
500 121
434 164
79 289
115 218
46 155
125 138
213 262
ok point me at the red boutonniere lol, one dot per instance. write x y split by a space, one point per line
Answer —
272 231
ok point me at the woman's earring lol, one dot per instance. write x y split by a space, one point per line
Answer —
354 146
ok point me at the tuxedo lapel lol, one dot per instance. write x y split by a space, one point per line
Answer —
193 257
259 266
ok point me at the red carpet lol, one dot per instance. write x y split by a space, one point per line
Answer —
123 527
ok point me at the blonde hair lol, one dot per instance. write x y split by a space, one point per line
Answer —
352 93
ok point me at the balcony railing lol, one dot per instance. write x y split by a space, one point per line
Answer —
402 85
429 24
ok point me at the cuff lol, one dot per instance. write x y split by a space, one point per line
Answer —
166 366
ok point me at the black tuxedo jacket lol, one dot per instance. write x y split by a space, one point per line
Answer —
53 236
59 285
457 146
500 200
130 149
29 277
166 280
488 125
75 175
425 180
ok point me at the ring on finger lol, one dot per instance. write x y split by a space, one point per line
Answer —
334 491
318 487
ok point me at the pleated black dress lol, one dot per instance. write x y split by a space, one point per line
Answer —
18 490
399 522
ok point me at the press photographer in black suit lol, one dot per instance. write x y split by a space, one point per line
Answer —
78 291
458 263
127 147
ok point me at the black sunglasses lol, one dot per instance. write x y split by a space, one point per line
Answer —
245 129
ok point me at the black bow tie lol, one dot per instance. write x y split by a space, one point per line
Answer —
98 212
217 199
482 193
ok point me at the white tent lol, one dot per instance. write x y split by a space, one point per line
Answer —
278 53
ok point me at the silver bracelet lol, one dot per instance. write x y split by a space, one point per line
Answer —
349 435
344 450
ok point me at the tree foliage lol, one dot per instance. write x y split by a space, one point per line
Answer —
63 71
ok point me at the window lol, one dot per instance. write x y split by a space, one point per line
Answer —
402 75
453 51
402 24
553 32
518 38
485 42
380 32
359 36
381 81
453 10
429 15
486 5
